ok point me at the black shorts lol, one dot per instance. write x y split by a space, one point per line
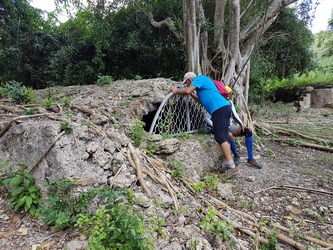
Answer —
221 122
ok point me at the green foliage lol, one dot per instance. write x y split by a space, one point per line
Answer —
20 93
66 101
23 193
137 132
177 169
211 223
66 127
48 102
30 112
272 241
211 182
115 226
198 187
60 208
105 79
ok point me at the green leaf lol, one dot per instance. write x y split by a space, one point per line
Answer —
17 180
16 191
28 201
4 164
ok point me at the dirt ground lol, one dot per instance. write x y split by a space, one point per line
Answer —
293 190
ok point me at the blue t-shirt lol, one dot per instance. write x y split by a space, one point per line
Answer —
208 94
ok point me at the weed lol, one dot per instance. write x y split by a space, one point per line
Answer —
138 77
211 223
151 148
23 193
177 168
272 241
211 182
66 101
48 102
66 127
105 79
30 112
115 226
136 133
198 187
116 126
20 93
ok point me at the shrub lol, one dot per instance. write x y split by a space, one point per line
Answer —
23 193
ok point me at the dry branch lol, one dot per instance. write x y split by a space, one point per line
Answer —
288 132
304 144
47 151
138 168
10 123
84 110
294 188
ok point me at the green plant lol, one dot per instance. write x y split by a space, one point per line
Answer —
211 223
177 168
20 93
115 226
60 208
66 127
30 112
151 148
48 102
272 241
211 182
23 193
138 77
136 132
198 186
66 101
105 79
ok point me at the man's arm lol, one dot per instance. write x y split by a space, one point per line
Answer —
235 115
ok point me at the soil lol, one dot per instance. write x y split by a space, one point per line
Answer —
294 189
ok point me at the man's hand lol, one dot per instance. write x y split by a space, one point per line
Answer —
174 89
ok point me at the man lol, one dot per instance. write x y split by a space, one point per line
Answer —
216 105
236 130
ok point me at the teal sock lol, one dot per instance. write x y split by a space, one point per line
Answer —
249 147
233 147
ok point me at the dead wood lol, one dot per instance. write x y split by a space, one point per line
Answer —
138 168
9 108
115 177
46 151
305 237
10 123
294 188
276 129
305 144
84 110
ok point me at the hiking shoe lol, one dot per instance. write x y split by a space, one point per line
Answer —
230 172
253 163
236 160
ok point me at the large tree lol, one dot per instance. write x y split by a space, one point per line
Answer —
219 35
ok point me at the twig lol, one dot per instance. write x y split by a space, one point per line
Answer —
115 177
47 151
138 168
294 187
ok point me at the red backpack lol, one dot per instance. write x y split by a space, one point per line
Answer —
220 86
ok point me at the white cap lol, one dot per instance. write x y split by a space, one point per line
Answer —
189 75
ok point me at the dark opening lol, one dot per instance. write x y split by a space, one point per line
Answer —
148 118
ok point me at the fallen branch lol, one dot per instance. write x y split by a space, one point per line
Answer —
115 177
84 110
305 144
288 132
47 151
294 188
10 123
138 168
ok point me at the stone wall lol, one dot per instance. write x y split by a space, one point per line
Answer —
321 97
